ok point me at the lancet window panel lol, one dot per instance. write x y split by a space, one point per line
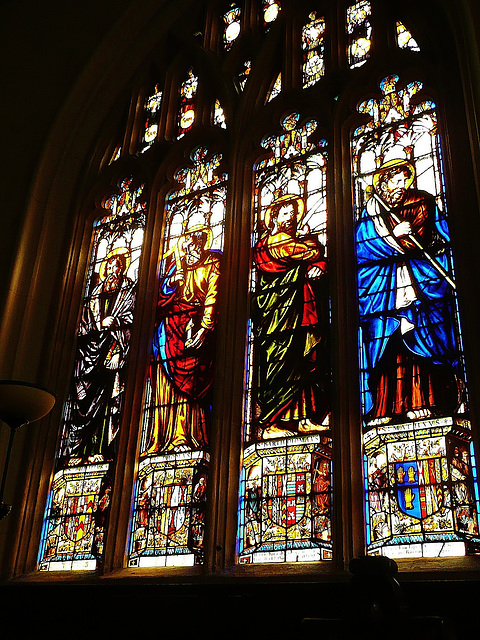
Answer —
77 512
219 115
231 26
285 486
276 88
421 488
360 33
271 10
187 110
152 105
170 491
405 39
313 49
244 72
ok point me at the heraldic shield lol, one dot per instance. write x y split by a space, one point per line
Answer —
79 521
286 498
418 487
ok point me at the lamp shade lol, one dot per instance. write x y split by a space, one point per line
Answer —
23 402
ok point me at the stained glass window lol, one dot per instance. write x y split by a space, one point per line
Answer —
359 30
186 115
219 115
79 498
417 467
151 116
232 26
313 47
116 154
421 493
271 9
170 491
405 40
285 494
244 73
276 89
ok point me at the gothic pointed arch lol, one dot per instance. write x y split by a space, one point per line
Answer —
306 498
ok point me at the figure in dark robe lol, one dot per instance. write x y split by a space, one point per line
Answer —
93 408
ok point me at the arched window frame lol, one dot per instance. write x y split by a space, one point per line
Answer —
348 440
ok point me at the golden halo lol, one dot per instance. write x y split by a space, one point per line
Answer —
290 197
398 162
119 251
204 229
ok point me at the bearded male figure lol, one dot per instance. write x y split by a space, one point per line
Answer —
290 324
181 370
94 404
406 303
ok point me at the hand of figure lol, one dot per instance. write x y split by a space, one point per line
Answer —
197 339
402 229
178 276
314 272
108 322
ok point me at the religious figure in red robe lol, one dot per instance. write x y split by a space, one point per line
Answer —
181 370
290 325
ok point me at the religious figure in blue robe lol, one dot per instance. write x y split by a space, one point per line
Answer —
407 314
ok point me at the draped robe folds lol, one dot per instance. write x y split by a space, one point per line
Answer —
181 377
289 324
406 310
94 403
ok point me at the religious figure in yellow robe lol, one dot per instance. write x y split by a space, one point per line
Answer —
181 369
